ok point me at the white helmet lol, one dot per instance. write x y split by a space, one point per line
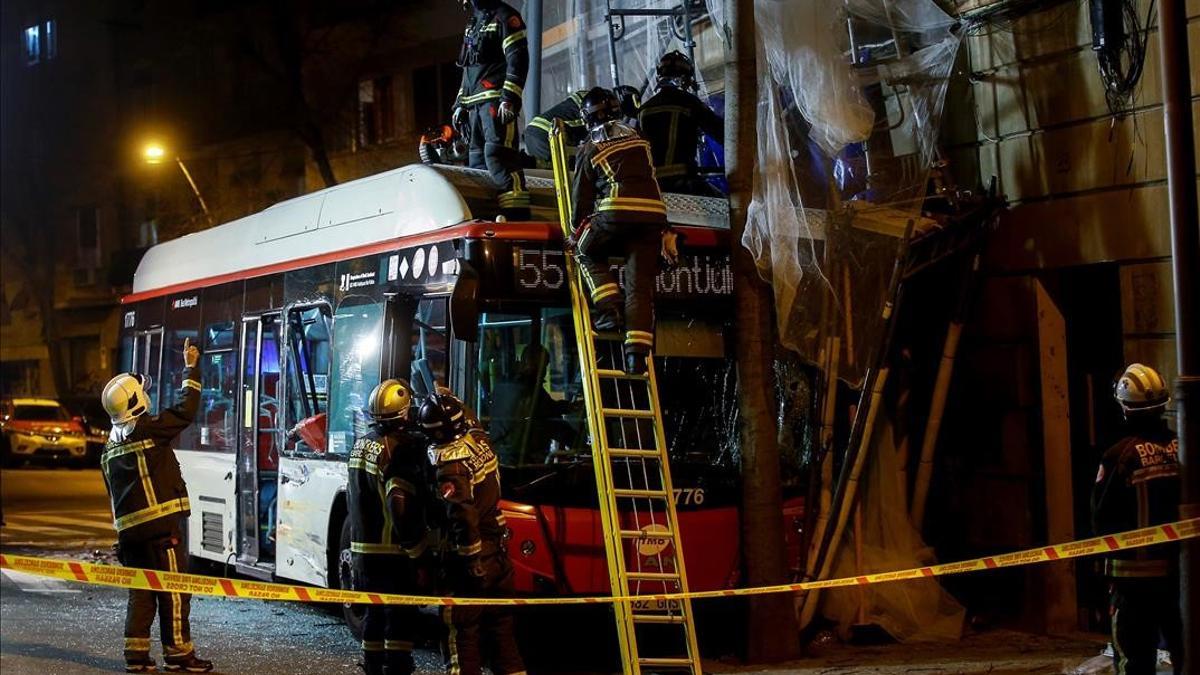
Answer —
1140 388
124 397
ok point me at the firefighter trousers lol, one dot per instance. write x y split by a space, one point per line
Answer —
493 146
167 554
639 244
1142 611
388 630
482 635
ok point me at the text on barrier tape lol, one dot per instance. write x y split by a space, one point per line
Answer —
157 580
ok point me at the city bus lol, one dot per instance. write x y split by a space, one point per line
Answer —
301 309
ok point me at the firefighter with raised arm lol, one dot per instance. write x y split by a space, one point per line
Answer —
150 509
672 120
386 498
1138 486
495 61
466 478
618 212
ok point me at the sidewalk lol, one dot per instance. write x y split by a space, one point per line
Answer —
994 652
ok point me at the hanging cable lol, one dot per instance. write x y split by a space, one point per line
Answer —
1119 38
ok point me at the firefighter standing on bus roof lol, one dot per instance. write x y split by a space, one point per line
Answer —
537 134
150 508
386 498
671 120
618 212
1138 486
466 478
495 61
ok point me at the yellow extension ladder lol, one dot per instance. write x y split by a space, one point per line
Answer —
633 480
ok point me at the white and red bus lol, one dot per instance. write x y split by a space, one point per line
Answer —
301 309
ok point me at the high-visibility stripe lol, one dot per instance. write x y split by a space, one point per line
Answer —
474 548
540 123
454 667
398 645
192 384
397 483
514 88
125 448
372 645
137 644
176 608
607 290
157 511
488 95
490 28
512 39
372 548
363 465
513 199
631 204
144 474
618 147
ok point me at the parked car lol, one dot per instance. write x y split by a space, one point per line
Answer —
41 430
96 423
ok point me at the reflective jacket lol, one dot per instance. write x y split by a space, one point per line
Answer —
386 493
140 470
1138 486
467 476
494 57
537 134
671 120
614 179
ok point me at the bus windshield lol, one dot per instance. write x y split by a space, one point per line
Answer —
530 396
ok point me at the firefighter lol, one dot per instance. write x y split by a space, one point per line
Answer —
386 498
495 61
537 134
150 509
618 212
1138 486
671 120
466 478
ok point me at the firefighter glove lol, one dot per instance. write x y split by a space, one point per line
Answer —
459 118
507 112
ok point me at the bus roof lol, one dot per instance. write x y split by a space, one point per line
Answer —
398 203
412 200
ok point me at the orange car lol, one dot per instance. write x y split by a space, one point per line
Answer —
40 429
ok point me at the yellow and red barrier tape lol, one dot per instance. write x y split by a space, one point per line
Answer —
156 580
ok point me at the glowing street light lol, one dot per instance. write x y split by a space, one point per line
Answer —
155 153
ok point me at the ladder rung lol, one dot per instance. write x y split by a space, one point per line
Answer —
638 534
652 576
632 452
664 662
619 374
627 412
658 618
611 337
645 494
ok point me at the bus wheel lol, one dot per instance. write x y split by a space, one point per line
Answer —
352 614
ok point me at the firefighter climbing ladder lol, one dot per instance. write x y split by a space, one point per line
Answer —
637 503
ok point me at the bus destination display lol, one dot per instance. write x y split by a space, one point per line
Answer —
539 270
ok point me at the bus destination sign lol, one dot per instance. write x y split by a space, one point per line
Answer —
540 270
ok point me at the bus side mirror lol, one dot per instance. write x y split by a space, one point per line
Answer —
464 304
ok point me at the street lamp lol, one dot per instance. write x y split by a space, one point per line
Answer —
155 153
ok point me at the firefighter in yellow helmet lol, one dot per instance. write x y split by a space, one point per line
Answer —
386 495
150 508
1138 486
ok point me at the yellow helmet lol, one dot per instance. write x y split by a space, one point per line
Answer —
389 401
124 397
1141 388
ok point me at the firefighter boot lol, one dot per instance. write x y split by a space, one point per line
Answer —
635 363
189 664
140 665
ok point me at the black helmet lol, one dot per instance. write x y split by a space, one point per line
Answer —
599 106
444 418
675 66
631 99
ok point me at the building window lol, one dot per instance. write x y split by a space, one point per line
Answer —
50 39
434 90
33 45
376 112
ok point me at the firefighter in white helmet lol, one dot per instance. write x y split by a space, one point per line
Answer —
386 496
150 509
1138 486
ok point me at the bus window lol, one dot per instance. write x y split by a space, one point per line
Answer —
430 342
218 373
529 393
308 360
357 332
183 322
697 387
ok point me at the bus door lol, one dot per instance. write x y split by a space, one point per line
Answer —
259 413
147 360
